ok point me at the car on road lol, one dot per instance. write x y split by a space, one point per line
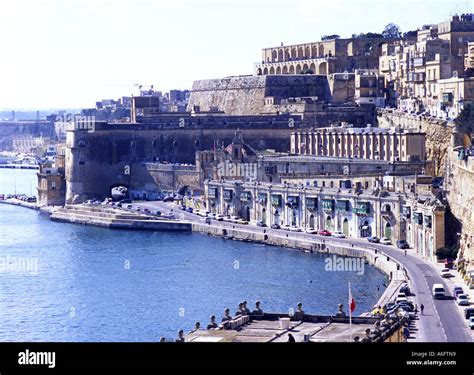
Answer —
403 244
405 289
386 241
471 322
325 232
260 223
219 217
401 299
234 219
438 291
206 220
401 294
373 239
294 229
311 231
242 221
182 208
275 226
462 300
338 235
446 273
169 198
146 210
469 312
457 290
189 209
129 206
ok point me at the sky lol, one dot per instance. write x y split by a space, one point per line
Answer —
71 53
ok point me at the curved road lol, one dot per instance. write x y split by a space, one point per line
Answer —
441 320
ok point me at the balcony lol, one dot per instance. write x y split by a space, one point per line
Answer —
362 208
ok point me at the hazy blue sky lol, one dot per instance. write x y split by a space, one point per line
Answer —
69 53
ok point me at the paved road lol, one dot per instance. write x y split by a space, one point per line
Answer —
441 321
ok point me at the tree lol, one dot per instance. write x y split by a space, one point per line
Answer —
465 120
410 34
392 31
329 37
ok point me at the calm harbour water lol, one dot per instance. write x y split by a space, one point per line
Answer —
94 284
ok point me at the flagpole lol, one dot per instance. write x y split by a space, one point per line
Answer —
350 313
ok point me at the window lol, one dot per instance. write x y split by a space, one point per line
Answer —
53 185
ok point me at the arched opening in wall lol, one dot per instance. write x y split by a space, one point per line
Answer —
388 231
264 216
247 213
311 222
265 71
300 52
312 67
280 55
292 69
276 217
298 69
323 68
365 230
307 52
321 51
328 223
305 68
349 50
387 208
285 70
119 191
274 55
272 70
345 227
278 70
294 53
314 51
259 72
287 54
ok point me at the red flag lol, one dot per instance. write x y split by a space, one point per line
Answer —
352 304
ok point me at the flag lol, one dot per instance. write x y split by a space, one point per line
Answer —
352 304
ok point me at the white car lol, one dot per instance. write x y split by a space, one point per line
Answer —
294 229
401 295
401 299
386 241
471 322
446 272
338 235
219 217
234 219
462 300
311 231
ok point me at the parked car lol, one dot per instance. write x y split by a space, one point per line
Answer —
275 226
325 232
402 244
401 299
242 221
469 312
158 213
448 263
206 220
462 300
182 208
146 210
129 206
311 231
295 229
386 241
457 290
446 273
190 210
169 198
405 289
234 219
219 217
338 235
373 239
471 322
260 223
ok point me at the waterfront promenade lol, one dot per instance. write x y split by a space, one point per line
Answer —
441 321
